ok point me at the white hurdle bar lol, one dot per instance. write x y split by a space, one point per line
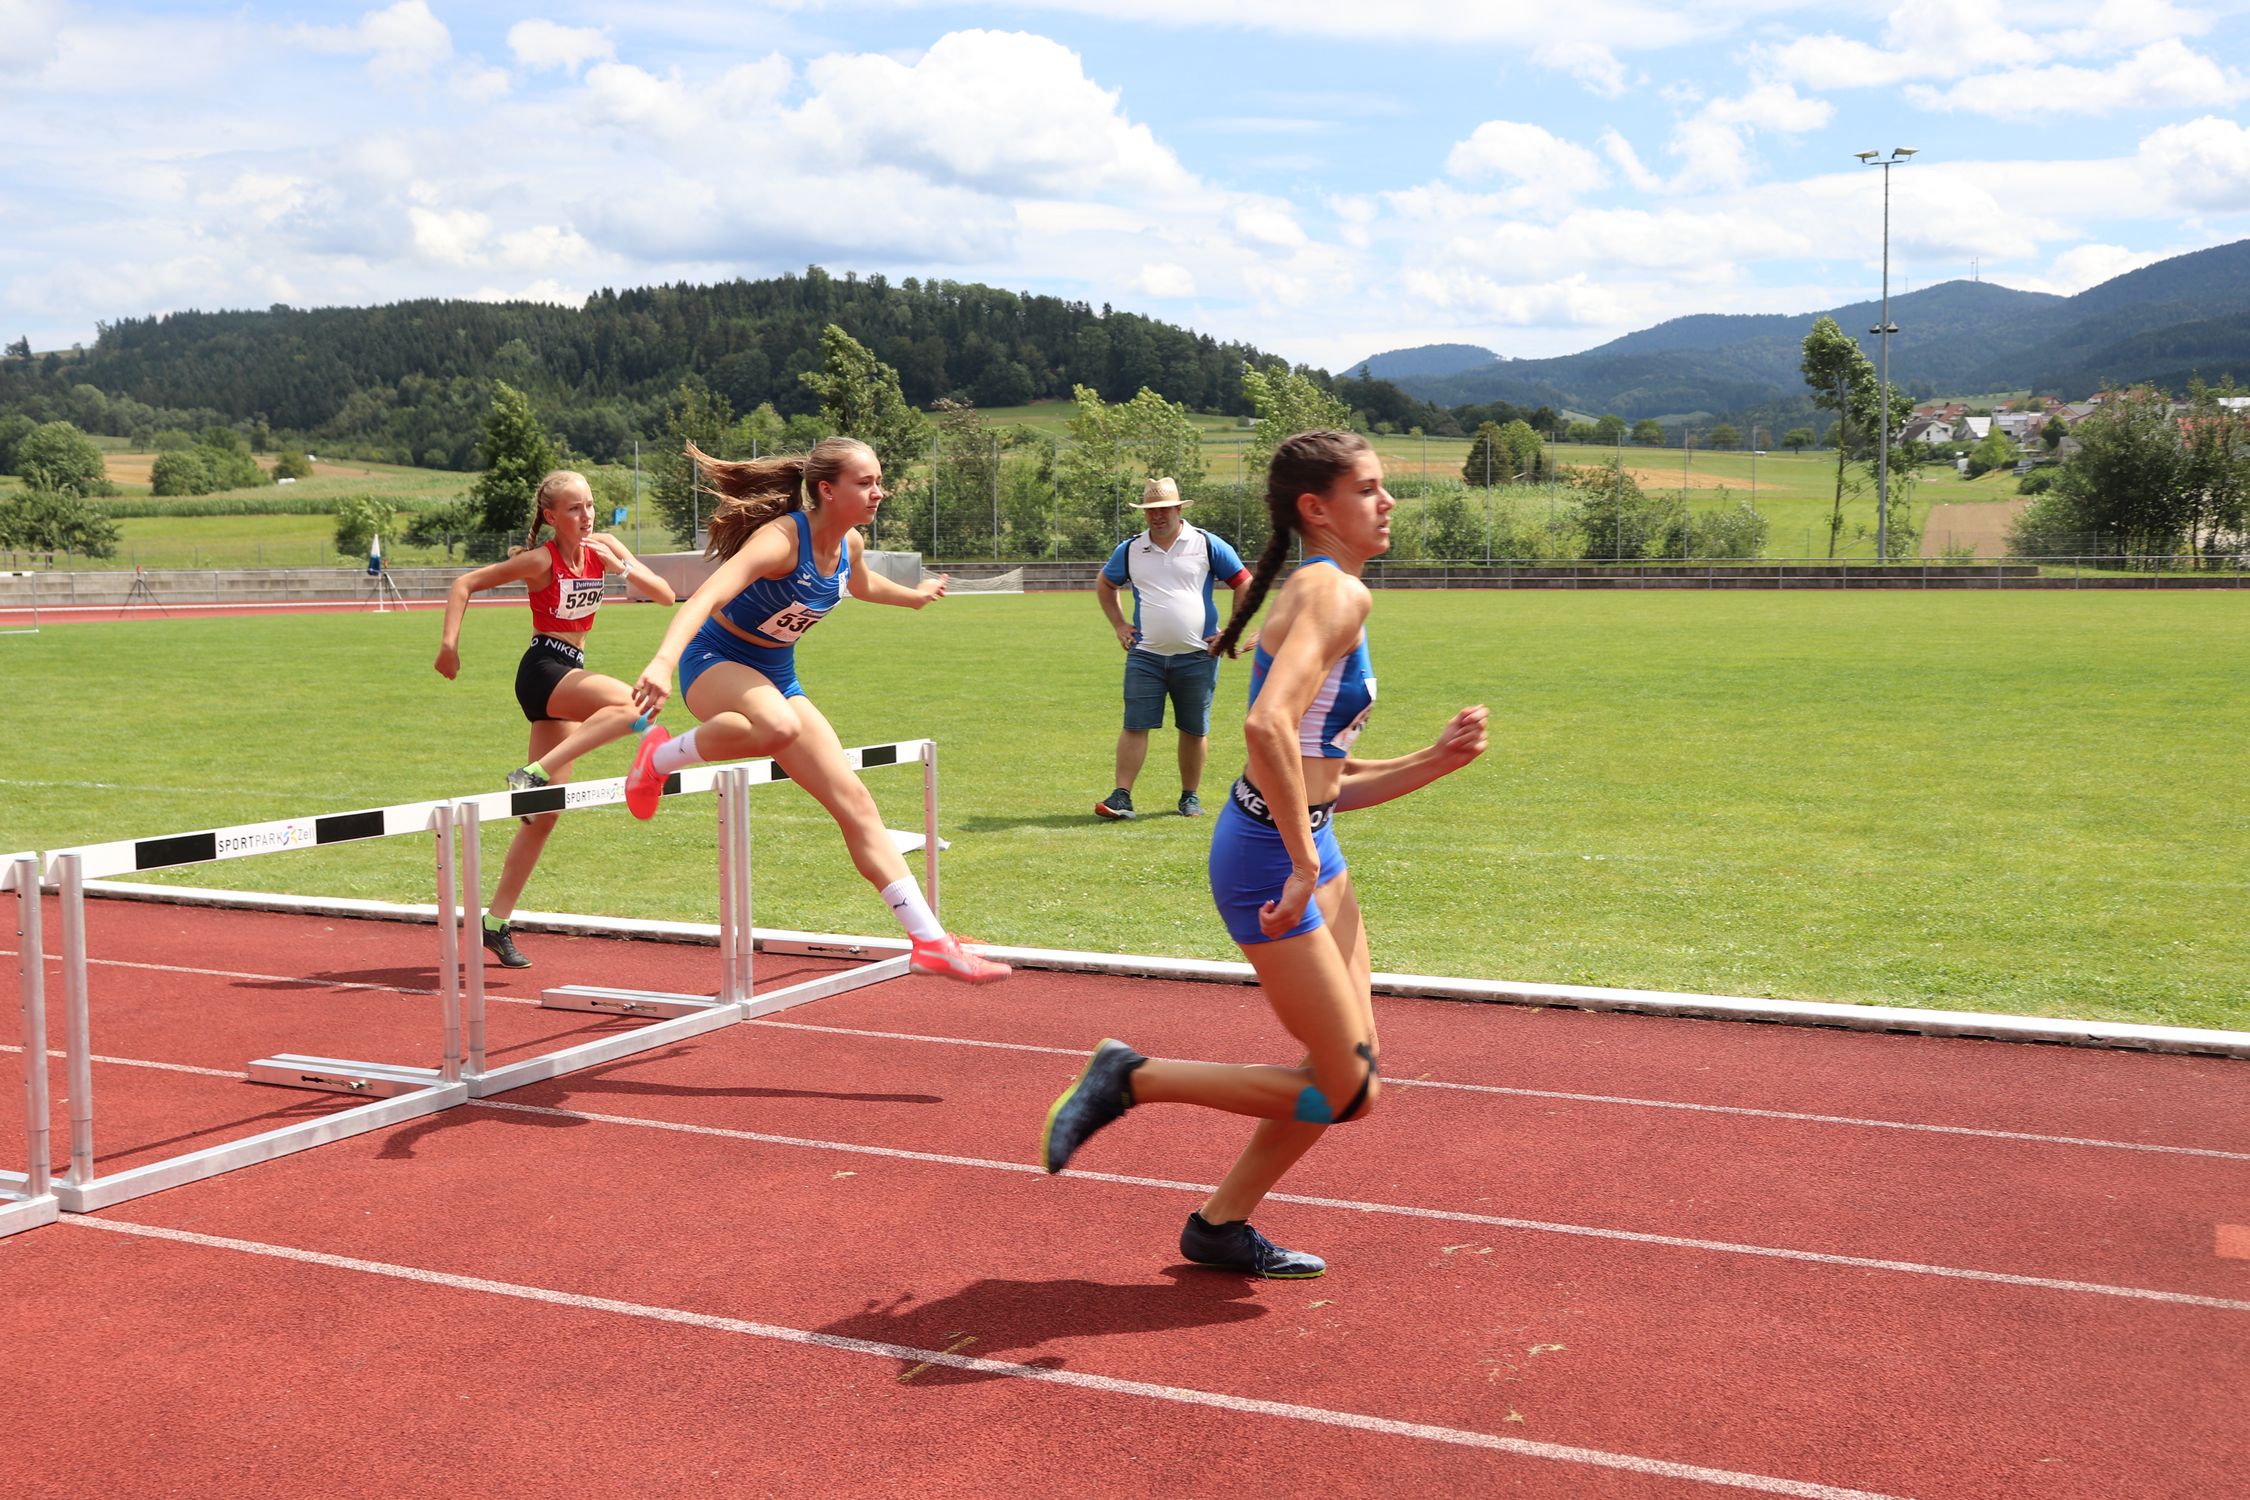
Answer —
27 1198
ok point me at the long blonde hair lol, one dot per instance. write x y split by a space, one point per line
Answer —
752 492
553 485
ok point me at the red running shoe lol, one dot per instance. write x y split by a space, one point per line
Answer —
644 784
945 956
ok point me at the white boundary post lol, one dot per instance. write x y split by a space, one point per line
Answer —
28 1201
468 833
929 823
79 1079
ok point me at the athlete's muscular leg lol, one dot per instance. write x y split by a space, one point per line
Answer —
740 713
1277 1144
530 837
1317 994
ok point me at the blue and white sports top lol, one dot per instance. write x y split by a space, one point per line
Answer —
1339 710
779 610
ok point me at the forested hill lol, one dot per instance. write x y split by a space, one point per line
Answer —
413 379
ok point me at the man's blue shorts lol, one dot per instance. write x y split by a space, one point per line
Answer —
1188 680
1250 865
714 643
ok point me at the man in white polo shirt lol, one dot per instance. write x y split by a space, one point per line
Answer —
1170 568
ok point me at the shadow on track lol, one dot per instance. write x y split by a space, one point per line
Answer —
989 1319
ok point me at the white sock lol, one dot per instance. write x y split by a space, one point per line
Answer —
675 753
905 900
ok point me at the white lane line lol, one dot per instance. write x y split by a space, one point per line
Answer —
1615 1099
1108 1385
234 1074
1623 1101
1448 1215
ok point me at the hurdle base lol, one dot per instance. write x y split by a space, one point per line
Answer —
138 1182
19 1214
664 1004
336 1076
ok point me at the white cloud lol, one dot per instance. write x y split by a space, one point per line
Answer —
402 41
2203 164
1772 106
1547 169
2090 265
1165 279
1268 224
546 44
478 84
1628 161
451 236
544 247
1003 111
2162 75
1592 64
28 33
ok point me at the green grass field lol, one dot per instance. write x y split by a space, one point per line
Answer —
2010 803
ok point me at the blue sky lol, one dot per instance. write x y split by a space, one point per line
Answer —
1327 180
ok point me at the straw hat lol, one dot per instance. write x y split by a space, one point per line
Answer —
1160 493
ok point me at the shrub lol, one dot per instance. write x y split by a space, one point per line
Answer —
51 520
357 519
180 471
57 456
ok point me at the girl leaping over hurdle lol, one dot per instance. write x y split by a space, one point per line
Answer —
1277 872
786 531
571 709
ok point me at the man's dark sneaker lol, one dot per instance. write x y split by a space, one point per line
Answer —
1191 806
1238 1247
1117 805
501 940
1104 1091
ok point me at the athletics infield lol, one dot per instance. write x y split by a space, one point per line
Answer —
1573 1253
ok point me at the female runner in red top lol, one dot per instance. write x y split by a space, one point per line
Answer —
571 709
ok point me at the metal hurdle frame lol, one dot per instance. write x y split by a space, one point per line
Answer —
676 1016
27 1198
399 1092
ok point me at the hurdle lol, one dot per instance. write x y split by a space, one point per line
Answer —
675 1015
398 1092
27 1198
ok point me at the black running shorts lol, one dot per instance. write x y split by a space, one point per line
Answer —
546 662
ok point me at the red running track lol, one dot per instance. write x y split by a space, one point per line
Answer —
1574 1254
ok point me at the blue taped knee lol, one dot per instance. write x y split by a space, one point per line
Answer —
1312 1107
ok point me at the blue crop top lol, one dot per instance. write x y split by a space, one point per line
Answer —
779 610
1339 710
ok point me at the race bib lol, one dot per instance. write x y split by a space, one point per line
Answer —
579 598
789 623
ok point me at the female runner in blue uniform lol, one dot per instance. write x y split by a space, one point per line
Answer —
1277 872
787 533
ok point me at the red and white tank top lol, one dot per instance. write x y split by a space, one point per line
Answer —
567 604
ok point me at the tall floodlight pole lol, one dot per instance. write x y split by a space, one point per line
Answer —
1898 158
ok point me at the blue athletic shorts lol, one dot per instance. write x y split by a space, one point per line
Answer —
1188 679
714 644
1250 865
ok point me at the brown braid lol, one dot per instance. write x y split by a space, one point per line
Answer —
1306 464
754 491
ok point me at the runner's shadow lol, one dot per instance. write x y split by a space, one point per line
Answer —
598 1080
422 977
992 1318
